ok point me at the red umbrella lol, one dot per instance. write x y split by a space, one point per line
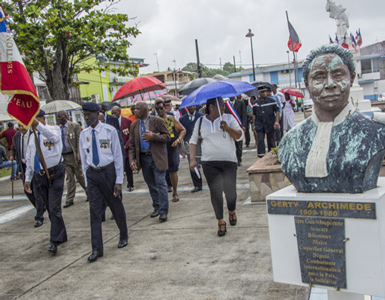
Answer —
137 86
293 92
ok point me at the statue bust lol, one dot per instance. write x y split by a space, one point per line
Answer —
337 149
337 12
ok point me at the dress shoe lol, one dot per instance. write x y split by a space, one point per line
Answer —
95 255
122 243
233 219
169 189
163 217
52 248
68 204
38 223
196 189
155 214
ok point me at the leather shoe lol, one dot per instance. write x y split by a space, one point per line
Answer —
163 217
196 189
122 243
130 188
38 223
68 204
52 248
95 255
155 214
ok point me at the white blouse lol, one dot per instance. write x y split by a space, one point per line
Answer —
217 144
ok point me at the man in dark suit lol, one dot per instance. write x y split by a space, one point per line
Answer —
148 151
19 152
188 121
125 124
70 132
240 108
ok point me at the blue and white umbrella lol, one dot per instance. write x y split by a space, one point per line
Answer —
224 89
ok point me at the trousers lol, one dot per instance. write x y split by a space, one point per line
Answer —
156 183
221 177
100 189
50 192
72 170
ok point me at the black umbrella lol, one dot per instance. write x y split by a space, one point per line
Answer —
191 86
256 84
109 104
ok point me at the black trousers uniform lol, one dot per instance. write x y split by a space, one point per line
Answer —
50 192
100 188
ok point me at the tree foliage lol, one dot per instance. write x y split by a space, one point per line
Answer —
228 68
56 36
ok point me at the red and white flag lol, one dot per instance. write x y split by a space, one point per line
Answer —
344 44
359 37
294 41
15 80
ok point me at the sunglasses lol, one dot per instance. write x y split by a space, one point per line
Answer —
159 107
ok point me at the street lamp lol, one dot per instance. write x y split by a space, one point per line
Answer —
250 35
288 65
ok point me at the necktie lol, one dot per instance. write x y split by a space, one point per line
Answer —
191 118
36 165
95 154
144 145
62 138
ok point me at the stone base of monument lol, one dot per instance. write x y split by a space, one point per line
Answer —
330 241
265 177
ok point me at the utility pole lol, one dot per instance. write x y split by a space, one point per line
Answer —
235 68
198 63
157 63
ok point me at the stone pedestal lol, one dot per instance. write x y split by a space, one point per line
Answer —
265 177
361 223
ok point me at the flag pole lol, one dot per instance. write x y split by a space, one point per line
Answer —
12 176
40 153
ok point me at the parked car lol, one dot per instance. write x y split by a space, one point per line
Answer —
307 103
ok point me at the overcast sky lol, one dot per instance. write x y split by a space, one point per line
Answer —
170 27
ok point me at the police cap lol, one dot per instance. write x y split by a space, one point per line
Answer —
40 114
90 106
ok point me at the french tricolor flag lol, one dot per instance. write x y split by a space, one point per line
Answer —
354 43
233 112
15 80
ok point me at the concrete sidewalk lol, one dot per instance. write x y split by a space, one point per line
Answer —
182 258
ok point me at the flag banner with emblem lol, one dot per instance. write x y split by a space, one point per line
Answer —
233 112
15 81
336 40
293 39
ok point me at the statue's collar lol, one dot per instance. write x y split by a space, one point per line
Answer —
343 115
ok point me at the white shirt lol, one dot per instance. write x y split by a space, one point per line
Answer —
108 146
51 146
281 97
24 141
217 144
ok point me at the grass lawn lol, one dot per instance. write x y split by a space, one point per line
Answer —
6 172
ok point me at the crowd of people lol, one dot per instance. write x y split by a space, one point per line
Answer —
111 146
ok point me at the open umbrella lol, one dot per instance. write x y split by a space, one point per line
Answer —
224 89
109 105
139 85
191 86
58 105
171 97
292 91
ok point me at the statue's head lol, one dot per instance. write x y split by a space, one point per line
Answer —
329 73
